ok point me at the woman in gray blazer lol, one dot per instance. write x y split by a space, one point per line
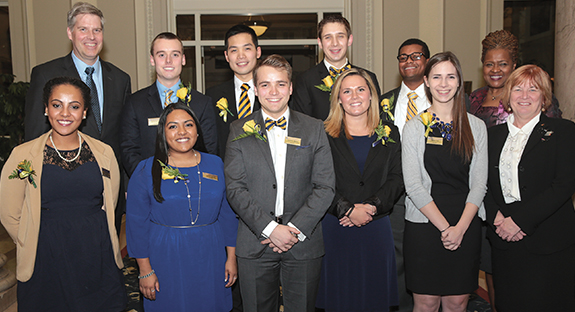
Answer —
444 152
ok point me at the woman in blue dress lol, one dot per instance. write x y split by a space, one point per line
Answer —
358 271
179 226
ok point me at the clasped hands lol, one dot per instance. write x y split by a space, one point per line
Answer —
361 215
451 237
282 238
507 229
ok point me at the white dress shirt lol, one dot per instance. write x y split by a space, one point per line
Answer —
278 148
328 65
511 156
402 101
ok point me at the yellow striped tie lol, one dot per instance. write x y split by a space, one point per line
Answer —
270 123
411 107
245 106
335 72
168 100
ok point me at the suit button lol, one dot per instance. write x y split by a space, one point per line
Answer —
523 188
521 168
361 183
274 186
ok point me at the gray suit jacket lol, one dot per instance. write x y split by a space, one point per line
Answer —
251 185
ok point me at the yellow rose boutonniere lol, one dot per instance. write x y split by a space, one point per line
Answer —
386 107
428 121
251 128
328 82
383 133
185 93
222 105
169 173
24 171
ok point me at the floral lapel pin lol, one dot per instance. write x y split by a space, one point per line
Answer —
251 128
185 93
328 82
428 121
383 133
169 173
387 107
546 134
222 105
24 171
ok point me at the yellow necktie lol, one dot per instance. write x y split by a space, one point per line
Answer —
245 106
411 107
334 71
168 99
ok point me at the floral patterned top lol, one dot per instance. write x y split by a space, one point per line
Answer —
493 116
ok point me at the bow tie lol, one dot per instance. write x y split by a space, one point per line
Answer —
334 72
270 123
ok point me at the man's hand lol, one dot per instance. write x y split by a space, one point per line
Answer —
282 238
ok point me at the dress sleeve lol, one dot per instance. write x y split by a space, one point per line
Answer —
138 211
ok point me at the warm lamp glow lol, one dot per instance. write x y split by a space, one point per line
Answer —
259 27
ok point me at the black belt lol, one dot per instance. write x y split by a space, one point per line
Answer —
182 226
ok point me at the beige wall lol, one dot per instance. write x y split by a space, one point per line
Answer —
38 29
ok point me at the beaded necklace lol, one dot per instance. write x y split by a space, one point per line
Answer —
60 155
444 128
199 191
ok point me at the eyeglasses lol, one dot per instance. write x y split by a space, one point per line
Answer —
415 56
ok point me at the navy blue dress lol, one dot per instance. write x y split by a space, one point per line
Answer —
358 270
74 268
189 262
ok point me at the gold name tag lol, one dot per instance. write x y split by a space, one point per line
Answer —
434 140
210 176
153 121
292 141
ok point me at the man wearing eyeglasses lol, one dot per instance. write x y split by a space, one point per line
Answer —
405 102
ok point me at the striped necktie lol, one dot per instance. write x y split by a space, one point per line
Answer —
334 71
411 107
168 99
94 102
245 106
270 123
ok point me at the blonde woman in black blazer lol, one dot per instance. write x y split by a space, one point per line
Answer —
359 272
529 204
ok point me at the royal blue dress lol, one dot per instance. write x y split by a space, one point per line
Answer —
189 262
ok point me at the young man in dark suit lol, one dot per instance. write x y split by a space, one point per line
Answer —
142 112
333 37
412 57
280 182
242 53
110 85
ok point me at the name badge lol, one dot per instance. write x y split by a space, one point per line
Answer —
153 121
210 176
292 141
106 173
435 140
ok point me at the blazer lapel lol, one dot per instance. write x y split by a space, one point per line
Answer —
496 142
264 147
343 148
536 134
154 100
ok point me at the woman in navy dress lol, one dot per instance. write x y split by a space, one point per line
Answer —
179 226
444 153
358 271
62 216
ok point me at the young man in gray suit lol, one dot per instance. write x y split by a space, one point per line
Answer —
280 181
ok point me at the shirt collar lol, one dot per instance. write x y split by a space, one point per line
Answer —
527 128
420 91
238 83
328 65
162 88
285 114
81 66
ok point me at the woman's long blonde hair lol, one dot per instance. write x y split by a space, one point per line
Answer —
336 118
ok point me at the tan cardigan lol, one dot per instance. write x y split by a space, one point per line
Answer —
20 202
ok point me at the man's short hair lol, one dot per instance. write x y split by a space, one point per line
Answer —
241 29
83 8
276 61
168 36
333 18
419 42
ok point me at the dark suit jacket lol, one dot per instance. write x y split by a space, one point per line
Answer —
380 184
312 101
226 90
546 183
251 185
117 88
139 139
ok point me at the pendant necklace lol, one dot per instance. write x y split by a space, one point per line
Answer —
58 152
199 192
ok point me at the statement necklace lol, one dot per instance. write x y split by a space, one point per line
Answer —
493 97
58 152
444 128
199 192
